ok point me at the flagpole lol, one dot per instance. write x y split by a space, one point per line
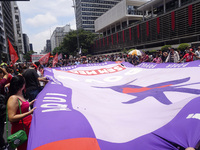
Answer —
8 52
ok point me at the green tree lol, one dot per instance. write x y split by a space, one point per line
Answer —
183 46
27 56
57 50
69 45
165 47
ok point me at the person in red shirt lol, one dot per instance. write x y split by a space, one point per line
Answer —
189 56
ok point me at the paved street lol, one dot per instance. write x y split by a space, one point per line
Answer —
9 132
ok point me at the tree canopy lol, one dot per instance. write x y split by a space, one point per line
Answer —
69 45
27 56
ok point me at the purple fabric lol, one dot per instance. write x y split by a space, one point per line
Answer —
57 118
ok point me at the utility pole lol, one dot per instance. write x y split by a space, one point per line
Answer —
78 45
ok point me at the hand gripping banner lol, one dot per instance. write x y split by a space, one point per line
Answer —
112 106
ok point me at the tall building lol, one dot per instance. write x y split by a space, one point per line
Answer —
48 45
58 36
8 26
26 43
163 22
87 11
31 47
2 34
17 29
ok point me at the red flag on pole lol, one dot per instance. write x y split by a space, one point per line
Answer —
44 59
55 60
13 55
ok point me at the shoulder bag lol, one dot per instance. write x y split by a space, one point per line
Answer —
17 138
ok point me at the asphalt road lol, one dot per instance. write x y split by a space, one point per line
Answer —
9 133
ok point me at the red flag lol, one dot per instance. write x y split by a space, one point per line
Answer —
44 59
158 25
147 27
173 20
13 54
55 60
138 31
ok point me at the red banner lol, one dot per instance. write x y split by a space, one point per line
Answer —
44 59
190 15
103 42
107 41
117 38
55 60
96 43
138 31
112 38
13 55
123 35
158 25
173 20
130 34
99 42
147 28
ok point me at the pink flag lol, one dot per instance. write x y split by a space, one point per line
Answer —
60 56
13 55
55 60
44 59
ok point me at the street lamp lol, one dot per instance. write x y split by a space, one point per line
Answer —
74 6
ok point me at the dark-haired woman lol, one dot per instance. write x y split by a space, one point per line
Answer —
17 85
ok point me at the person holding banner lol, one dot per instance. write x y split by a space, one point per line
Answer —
32 82
17 86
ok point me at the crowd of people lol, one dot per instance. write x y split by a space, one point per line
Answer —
22 82
19 86
171 55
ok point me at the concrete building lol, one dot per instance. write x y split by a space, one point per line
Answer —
48 45
3 49
17 30
164 22
31 47
26 43
87 11
58 36
119 17
8 27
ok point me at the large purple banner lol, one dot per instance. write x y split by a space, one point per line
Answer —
111 106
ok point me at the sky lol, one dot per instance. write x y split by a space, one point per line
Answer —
39 19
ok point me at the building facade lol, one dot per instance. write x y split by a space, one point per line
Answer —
87 11
58 36
2 34
8 27
26 43
31 47
17 29
165 22
48 45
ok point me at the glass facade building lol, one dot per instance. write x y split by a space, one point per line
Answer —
87 11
